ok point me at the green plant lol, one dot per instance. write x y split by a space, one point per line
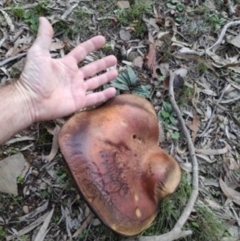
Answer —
24 238
168 118
128 81
20 179
202 67
216 21
45 194
207 224
167 115
174 4
61 175
134 16
186 96
3 233
31 16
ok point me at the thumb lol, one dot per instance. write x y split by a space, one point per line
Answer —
45 34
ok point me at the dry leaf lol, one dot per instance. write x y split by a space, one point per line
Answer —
229 192
151 57
123 4
138 62
10 168
57 46
55 146
235 41
213 152
194 126
30 227
125 35
44 229
164 68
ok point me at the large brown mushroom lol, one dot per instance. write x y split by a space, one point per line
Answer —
113 155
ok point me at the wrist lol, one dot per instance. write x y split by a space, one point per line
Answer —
24 101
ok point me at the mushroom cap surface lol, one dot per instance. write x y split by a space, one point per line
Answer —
113 155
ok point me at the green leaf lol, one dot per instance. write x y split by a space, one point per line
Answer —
167 106
142 90
180 7
173 120
175 135
165 114
119 86
132 78
195 224
171 6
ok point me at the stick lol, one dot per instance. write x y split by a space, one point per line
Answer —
230 24
10 59
188 209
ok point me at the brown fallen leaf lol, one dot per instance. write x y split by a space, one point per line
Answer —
229 192
194 126
151 56
178 81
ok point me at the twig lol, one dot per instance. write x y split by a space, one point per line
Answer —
10 59
188 209
230 24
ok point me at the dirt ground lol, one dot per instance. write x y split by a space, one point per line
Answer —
198 41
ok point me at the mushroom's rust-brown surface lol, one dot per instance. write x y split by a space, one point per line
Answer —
113 154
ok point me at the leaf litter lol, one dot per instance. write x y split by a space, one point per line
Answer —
207 95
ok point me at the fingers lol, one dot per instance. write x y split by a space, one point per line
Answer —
45 34
82 50
97 81
99 97
98 66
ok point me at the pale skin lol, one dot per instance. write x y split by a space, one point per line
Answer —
52 88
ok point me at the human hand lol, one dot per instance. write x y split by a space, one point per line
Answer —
53 88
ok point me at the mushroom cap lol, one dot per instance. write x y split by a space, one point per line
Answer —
112 153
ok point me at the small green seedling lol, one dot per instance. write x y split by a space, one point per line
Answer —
216 21
128 81
166 115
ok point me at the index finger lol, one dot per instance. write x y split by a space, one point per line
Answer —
82 50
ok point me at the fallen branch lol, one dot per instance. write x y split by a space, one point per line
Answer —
224 30
10 59
188 209
176 232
